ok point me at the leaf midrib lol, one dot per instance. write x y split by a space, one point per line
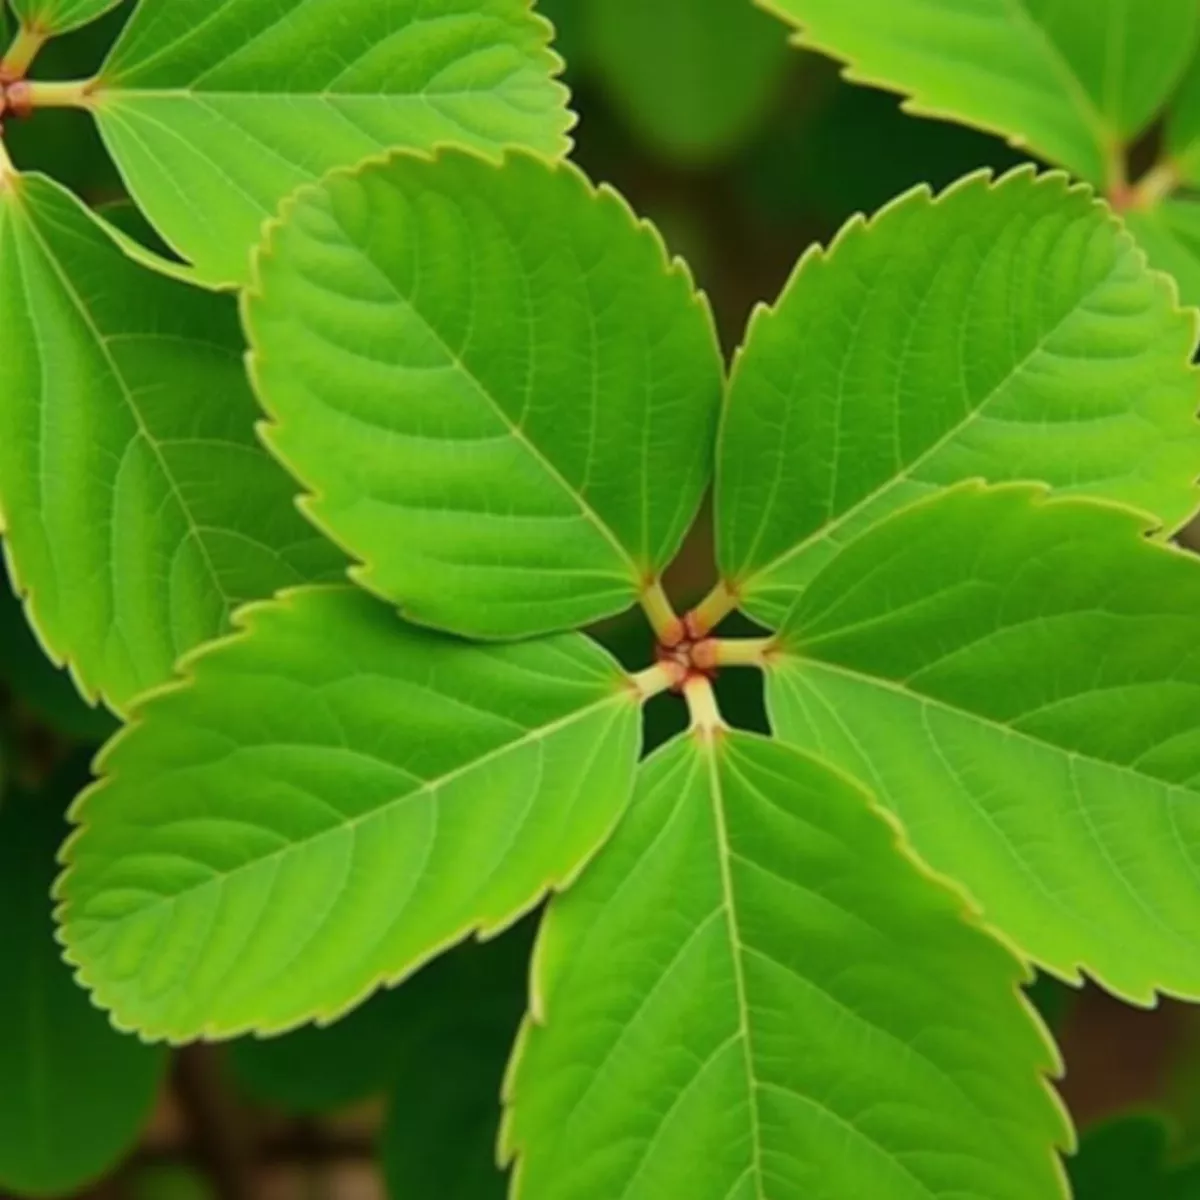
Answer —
195 529
516 430
427 788
829 529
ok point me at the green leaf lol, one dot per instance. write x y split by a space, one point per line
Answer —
1170 235
752 992
1007 330
48 691
501 396
1017 679
217 109
131 387
567 17
331 799
443 1116
54 17
1070 79
1127 1157
75 1092
662 62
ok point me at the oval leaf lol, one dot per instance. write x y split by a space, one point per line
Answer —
500 393
1017 680
75 1092
131 388
330 800
1008 330
1070 79
752 992
216 109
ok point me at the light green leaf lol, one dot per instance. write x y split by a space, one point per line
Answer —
501 396
1007 330
752 992
331 799
1170 235
692 77
128 413
217 109
54 17
74 1092
1017 680
1070 79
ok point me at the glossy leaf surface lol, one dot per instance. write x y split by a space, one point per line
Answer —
1070 79
752 992
131 388
60 16
75 1092
499 394
1008 330
215 110
662 62
332 798
1016 678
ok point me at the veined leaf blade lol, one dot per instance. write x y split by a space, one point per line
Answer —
1015 677
752 967
215 110
1007 330
55 17
129 414
1072 81
330 800
500 395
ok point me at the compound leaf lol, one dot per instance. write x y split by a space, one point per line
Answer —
331 799
1007 330
75 1092
1070 79
130 388
500 394
1016 678
54 17
661 63
1170 235
753 992
216 109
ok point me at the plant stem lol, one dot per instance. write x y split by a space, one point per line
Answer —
744 652
653 681
712 610
8 171
707 722
1156 185
20 55
667 626
36 93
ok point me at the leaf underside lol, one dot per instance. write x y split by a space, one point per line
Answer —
501 396
753 993
1004 330
138 506
215 110
1070 79
74 1092
331 799
1016 679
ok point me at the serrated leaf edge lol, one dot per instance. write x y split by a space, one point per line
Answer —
510 1152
